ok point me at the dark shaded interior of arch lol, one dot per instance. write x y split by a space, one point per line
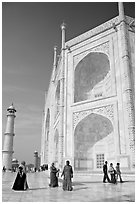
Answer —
89 131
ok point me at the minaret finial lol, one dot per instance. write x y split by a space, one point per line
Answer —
63 27
121 11
55 56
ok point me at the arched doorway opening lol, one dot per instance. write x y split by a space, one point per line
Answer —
91 142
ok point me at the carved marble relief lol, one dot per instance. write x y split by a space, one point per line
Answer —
92 77
107 111
103 48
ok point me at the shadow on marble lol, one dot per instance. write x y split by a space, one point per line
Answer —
75 183
37 188
80 189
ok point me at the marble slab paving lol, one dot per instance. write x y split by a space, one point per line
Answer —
85 189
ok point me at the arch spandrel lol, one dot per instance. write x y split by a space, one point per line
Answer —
106 111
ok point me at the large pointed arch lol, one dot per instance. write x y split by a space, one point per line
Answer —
89 131
89 72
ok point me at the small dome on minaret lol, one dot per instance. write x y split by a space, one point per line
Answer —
63 25
14 160
11 108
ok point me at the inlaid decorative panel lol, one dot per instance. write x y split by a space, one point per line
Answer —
107 111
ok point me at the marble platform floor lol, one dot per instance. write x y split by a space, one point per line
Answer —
88 188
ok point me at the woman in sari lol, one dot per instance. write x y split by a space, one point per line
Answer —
53 176
68 175
112 172
20 183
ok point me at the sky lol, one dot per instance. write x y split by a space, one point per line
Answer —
30 30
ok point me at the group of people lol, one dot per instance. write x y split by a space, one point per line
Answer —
21 178
67 173
114 173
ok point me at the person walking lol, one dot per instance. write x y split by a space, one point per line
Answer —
53 176
23 164
118 172
112 172
4 169
105 171
68 175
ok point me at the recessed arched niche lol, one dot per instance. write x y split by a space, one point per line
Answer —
92 77
47 125
90 132
57 99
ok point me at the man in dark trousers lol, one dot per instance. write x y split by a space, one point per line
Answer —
105 171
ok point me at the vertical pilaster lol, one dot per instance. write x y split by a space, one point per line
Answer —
42 139
46 131
127 89
61 134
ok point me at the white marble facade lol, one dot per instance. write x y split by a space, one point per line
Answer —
89 107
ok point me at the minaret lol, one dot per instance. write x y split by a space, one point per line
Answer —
8 141
36 160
